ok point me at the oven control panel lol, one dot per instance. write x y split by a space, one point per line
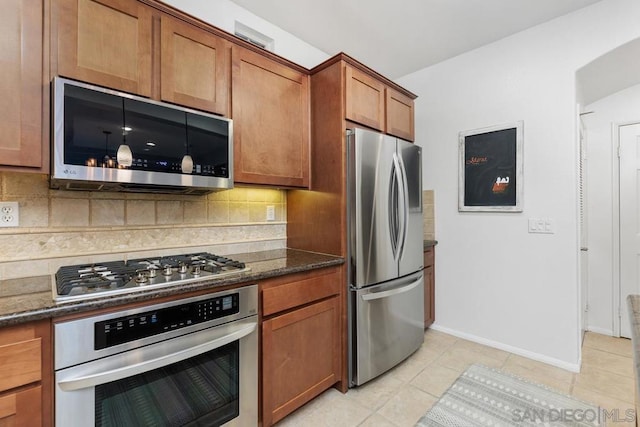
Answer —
124 329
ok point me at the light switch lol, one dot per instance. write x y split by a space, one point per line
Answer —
549 226
271 213
542 225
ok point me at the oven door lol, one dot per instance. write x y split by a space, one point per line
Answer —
209 377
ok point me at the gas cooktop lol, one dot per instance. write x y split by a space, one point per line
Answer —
78 282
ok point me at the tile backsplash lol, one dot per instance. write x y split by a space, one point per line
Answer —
428 216
71 227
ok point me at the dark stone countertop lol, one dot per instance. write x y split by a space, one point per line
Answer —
31 298
633 302
430 243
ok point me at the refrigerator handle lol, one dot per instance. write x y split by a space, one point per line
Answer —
393 208
400 204
395 291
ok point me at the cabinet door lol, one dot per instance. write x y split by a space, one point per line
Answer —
195 67
22 409
429 288
400 113
26 374
106 42
271 121
365 99
300 357
21 83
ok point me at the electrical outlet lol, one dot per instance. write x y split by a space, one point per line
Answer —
9 214
271 213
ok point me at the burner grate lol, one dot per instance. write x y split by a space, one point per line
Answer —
89 279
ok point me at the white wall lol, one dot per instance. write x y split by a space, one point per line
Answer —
224 13
623 106
495 282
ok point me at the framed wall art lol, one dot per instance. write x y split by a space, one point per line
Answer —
490 170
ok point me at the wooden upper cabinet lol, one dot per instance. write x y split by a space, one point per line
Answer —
271 121
195 67
365 99
21 84
400 115
374 102
106 42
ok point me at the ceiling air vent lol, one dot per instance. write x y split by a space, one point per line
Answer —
254 37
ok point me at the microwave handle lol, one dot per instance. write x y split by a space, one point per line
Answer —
138 368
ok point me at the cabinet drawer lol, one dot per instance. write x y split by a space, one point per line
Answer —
20 363
428 257
299 290
22 408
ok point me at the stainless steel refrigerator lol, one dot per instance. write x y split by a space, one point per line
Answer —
385 252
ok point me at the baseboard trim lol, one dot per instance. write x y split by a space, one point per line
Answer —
602 331
573 367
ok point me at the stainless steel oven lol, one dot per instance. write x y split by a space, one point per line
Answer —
191 362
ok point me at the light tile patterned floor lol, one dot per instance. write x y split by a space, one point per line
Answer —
401 396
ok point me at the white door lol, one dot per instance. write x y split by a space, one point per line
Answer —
629 140
584 241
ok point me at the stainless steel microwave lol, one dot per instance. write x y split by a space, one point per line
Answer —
105 140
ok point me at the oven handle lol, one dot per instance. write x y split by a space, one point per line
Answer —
149 365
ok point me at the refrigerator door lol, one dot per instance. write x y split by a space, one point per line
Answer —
389 325
373 216
410 257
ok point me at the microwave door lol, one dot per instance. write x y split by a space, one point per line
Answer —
410 257
372 248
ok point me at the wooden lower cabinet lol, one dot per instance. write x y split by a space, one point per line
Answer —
429 287
22 408
26 392
301 346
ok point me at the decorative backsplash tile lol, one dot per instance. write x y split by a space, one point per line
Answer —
69 212
71 227
428 215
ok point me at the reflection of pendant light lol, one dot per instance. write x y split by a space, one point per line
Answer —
124 154
187 161
108 161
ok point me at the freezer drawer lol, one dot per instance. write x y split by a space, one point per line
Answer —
388 326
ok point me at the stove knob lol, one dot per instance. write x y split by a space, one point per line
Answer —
141 277
167 271
153 272
182 268
195 271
